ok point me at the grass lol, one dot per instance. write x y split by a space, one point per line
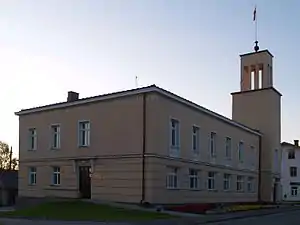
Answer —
77 210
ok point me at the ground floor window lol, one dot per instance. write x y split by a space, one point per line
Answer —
56 176
172 180
294 191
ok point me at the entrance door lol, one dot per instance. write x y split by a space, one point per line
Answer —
85 181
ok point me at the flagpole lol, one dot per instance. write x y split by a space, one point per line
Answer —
256 47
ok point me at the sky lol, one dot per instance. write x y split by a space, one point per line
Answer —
189 47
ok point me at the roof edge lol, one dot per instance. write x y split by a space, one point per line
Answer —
147 89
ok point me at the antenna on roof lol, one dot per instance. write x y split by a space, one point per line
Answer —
136 82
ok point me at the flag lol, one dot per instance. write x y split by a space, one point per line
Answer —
254 14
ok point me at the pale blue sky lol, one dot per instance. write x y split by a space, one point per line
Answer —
48 47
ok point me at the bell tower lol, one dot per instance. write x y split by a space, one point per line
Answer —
258 106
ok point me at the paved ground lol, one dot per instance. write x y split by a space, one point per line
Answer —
286 218
280 218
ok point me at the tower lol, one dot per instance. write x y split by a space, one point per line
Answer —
258 105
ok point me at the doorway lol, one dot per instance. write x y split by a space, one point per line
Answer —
85 181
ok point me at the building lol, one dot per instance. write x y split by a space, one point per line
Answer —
290 178
150 145
8 187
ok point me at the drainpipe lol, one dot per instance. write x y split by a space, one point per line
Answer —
259 169
143 148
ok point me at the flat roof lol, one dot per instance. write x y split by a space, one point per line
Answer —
148 89
262 51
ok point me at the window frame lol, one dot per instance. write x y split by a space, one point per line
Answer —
32 139
211 180
87 133
291 154
241 151
56 175
240 182
193 179
172 178
250 184
57 134
32 172
196 135
293 173
226 180
213 144
228 148
294 189
174 149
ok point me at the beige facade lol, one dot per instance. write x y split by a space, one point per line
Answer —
145 144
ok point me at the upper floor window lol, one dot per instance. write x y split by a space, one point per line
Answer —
226 184
291 154
84 133
196 136
252 155
32 139
213 153
194 179
241 151
228 147
174 133
32 175
56 175
240 183
293 171
172 178
211 180
55 132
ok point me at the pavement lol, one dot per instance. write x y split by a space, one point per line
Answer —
286 216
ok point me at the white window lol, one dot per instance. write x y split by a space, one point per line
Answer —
55 132
32 175
240 183
213 144
228 148
32 139
293 171
172 179
211 180
84 134
241 151
195 143
56 175
294 190
291 154
174 138
250 185
253 155
226 184
194 179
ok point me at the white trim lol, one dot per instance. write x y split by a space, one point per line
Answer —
174 151
78 134
52 147
151 88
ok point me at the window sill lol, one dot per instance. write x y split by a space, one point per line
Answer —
54 149
194 189
172 189
212 190
54 185
32 185
83 146
31 150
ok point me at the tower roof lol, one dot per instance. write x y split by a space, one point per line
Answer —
262 51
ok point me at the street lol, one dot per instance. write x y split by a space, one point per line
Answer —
285 218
